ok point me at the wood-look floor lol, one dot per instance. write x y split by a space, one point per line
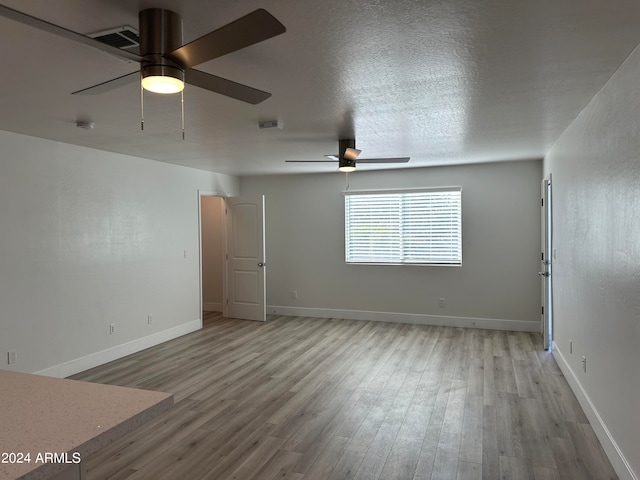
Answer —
304 399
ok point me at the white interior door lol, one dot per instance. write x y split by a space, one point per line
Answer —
246 267
546 264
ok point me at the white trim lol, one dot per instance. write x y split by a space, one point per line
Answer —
99 358
611 449
212 306
413 318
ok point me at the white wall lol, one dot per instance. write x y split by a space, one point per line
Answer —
595 166
213 249
89 238
497 286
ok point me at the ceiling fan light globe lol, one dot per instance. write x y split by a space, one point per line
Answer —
347 165
162 84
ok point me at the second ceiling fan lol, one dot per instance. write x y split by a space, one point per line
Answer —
348 156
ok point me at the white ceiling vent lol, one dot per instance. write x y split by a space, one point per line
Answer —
125 37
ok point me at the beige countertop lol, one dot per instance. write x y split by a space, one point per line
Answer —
44 414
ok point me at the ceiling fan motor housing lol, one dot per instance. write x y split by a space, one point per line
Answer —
345 143
160 34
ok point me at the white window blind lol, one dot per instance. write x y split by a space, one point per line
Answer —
409 226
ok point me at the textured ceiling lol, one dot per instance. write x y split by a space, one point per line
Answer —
444 82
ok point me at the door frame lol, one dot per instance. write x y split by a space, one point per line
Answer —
547 258
210 193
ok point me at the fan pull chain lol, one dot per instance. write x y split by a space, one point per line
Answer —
346 176
141 107
182 106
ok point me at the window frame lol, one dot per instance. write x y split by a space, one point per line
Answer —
382 192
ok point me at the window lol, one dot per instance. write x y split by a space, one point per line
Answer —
404 226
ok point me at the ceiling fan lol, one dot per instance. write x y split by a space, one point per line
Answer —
165 63
347 156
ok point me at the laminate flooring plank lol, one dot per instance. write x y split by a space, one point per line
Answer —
402 460
515 468
427 389
448 451
510 426
472 422
490 448
367 432
328 459
475 377
455 357
237 429
536 433
347 466
570 409
279 466
503 375
321 425
192 459
241 451
499 343
381 445
258 458
488 377
469 471
427 458
526 385
542 473
357 414
517 346
585 441
378 451
445 463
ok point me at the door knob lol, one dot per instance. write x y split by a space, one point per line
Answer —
544 274
261 264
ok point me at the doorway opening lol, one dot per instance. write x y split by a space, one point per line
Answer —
212 252
232 255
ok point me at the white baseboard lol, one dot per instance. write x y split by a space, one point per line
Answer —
418 319
616 457
211 307
99 358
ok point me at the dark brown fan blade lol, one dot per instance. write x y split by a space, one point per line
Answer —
65 33
225 87
109 84
252 28
384 160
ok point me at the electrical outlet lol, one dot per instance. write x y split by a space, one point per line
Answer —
570 346
149 319
112 329
584 364
441 303
294 294
12 357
